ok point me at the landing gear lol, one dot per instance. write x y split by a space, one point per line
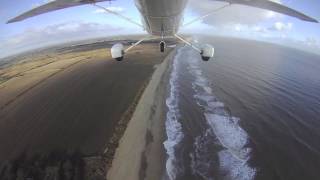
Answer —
119 58
206 51
118 51
162 45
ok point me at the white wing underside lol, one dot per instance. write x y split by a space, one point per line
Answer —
272 6
263 4
52 6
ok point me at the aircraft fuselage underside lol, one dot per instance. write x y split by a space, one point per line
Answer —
161 18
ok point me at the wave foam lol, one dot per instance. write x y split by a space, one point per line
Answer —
236 169
230 135
233 159
201 159
173 127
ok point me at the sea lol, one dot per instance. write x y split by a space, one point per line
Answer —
251 112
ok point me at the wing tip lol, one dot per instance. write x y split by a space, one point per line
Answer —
308 19
10 21
13 20
312 20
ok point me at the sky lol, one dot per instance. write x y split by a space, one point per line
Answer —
85 22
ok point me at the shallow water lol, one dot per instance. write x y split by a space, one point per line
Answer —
250 113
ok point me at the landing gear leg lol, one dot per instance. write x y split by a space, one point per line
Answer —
118 51
188 43
162 45
206 52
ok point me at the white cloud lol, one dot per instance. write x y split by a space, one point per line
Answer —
310 44
242 21
259 29
99 11
238 27
231 14
35 5
312 41
244 29
54 34
271 14
281 26
112 8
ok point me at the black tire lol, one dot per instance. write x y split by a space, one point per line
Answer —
205 58
162 46
119 58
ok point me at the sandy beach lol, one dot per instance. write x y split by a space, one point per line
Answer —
66 110
140 154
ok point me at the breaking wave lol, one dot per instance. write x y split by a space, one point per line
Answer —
173 127
223 128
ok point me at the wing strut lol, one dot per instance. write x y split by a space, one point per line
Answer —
118 14
205 15
137 43
188 43
268 5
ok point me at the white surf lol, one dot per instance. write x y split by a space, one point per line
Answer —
173 127
233 158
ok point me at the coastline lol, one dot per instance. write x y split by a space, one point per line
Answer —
140 154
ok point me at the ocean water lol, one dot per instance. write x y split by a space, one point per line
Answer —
252 112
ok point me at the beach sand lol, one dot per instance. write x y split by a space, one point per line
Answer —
66 111
141 154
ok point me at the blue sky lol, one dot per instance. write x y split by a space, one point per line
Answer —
84 22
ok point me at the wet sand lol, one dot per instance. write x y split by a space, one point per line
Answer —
72 102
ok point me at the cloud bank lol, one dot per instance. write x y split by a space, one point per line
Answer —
252 23
231 14
33 38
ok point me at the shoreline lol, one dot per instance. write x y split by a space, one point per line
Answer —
141 144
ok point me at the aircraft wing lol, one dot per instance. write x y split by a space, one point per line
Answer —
52 6
272 6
